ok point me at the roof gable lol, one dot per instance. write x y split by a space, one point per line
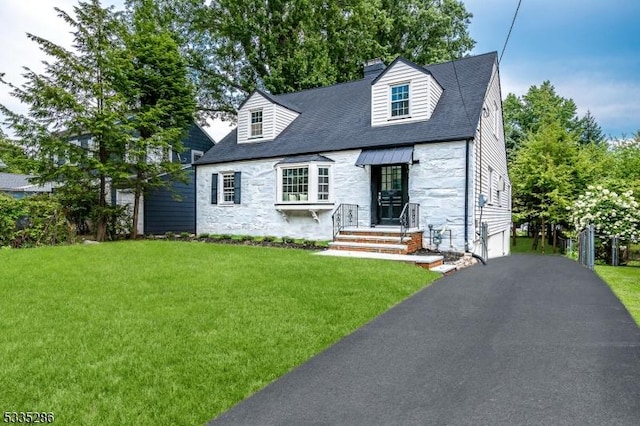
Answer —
393 64
269 98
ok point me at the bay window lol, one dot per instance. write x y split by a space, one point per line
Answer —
299 184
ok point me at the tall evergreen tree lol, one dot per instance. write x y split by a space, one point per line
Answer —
541 175
74 95
160 100
590 131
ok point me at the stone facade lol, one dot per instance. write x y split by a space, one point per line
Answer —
436 182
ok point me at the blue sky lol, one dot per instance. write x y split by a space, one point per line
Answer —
588 49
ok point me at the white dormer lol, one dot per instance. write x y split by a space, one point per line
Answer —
261 118
403 93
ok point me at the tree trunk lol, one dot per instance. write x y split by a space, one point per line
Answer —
101 225
544 235
555 237
136 212
513 229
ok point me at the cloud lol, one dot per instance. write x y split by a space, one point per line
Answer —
609 92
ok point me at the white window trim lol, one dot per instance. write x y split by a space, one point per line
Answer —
389 104
496 120
194 153
221 200
249 133
312 195
491 188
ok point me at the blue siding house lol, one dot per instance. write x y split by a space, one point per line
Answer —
173 209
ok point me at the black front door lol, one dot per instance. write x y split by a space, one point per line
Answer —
389 191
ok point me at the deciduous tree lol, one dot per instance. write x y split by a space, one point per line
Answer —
236 46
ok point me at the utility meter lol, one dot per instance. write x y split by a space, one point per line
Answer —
482 200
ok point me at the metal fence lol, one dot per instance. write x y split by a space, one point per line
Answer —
586 247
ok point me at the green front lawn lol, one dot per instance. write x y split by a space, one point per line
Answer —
157 332
625 283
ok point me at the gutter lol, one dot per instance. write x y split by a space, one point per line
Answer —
466 197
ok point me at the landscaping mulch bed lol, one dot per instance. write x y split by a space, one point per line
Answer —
248 241
449 256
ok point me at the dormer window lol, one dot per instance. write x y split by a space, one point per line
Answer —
400 100
256 124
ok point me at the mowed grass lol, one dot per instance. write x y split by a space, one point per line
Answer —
157 332
524 245
625 283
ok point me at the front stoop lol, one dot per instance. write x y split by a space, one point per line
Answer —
377 240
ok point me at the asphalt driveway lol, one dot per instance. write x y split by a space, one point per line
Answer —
524 340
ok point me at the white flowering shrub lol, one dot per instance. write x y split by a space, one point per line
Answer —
611 213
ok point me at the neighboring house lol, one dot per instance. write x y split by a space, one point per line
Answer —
408 145
169 209
18 186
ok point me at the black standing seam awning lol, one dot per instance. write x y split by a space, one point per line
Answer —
400 155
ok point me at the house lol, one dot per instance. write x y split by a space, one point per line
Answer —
19 186
411 151
172 208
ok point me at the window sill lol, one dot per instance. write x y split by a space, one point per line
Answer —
312 208
304 206
404 117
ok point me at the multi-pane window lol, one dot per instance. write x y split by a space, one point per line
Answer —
256 123
391 178
228 188
323 183
400 100
295 184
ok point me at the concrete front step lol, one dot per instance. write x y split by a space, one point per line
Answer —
364 238
426 262
369 247
444 269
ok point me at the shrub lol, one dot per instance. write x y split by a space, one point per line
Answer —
185 235
612 214
33 221
203 236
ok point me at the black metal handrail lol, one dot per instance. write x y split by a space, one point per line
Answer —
409 219
344 215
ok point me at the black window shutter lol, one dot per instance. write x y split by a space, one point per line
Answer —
236 187
214 188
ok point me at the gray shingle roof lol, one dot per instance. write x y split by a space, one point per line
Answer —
20 183
338 117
